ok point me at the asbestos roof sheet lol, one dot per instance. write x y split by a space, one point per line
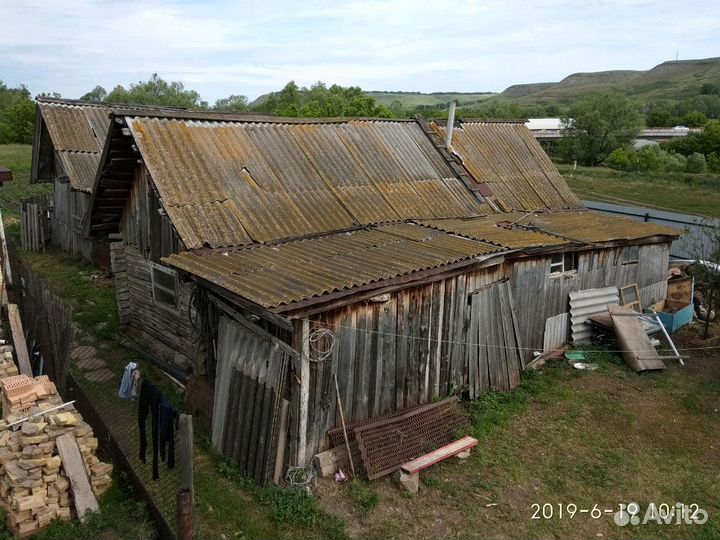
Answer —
277 180
507 158
594 227
78 134
501 229
281 274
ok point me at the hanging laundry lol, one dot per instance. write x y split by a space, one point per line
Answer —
168 424
149 403
125 391
135 387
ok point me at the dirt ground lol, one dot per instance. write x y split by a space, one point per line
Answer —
593 438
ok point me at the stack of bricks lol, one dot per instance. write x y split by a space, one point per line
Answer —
7 364
20 393
34 489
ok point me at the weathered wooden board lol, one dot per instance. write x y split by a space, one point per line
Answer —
638 352
83 496
21 350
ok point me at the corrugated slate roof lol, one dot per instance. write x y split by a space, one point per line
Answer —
497 229
507 158
78 133
276 275
594 227
276 180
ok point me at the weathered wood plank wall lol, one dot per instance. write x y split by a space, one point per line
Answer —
539 296
409 348
69 207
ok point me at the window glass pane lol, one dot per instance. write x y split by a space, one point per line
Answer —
163 278
163 297
571 261
557 258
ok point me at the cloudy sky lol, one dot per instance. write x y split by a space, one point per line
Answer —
223 47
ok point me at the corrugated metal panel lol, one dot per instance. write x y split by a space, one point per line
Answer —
487 229
556 332
289 179
586 303
508 158
281 274
591 227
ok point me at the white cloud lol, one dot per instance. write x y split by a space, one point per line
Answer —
223 47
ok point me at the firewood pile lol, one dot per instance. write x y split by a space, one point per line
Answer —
34 489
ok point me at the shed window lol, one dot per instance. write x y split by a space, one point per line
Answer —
630 254
563 262
164 286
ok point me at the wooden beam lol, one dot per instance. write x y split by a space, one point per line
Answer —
18 337
4 254
74 467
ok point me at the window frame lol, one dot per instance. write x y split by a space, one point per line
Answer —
626 257
175 291
567 265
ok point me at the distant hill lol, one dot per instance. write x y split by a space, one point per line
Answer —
410 100
521 90
676 79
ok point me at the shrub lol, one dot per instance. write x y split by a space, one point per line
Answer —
713 163
696 163
622 159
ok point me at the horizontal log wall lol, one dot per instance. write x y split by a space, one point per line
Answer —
172 328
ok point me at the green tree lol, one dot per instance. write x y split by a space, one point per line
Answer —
232 103
694 119
713 162
709 89
321 101
17 123
158 92
17 115
597 125
622 159
696 163
96 94
705 142
660 119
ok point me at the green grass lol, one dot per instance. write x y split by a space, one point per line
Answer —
18 158
697 194
365 496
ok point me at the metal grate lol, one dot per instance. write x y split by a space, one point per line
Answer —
383 443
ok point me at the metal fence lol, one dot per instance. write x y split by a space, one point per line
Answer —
693 242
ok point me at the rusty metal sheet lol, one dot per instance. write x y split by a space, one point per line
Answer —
507 157
386 444
276 275
295 179
591 227
337 435
501 229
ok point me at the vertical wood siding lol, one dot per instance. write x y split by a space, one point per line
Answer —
539 296
66 229
421 344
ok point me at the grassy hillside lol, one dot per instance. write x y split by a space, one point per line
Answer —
667 81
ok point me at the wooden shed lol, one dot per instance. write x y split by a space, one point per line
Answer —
68 140
300 251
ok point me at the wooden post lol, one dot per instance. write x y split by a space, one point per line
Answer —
282 441
186 453
184 514
6 259
304 393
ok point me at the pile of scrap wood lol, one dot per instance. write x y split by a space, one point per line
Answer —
35 487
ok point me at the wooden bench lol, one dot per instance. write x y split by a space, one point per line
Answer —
410 471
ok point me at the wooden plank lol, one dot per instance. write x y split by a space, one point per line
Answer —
444 452
376 362
472 349
439 335
414 331
457 351
74 467
425 335
186 452
638 352
388 327
6 259
446 345
21 350
401 359
510 363
360 394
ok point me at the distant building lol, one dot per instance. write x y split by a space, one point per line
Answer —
547 131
